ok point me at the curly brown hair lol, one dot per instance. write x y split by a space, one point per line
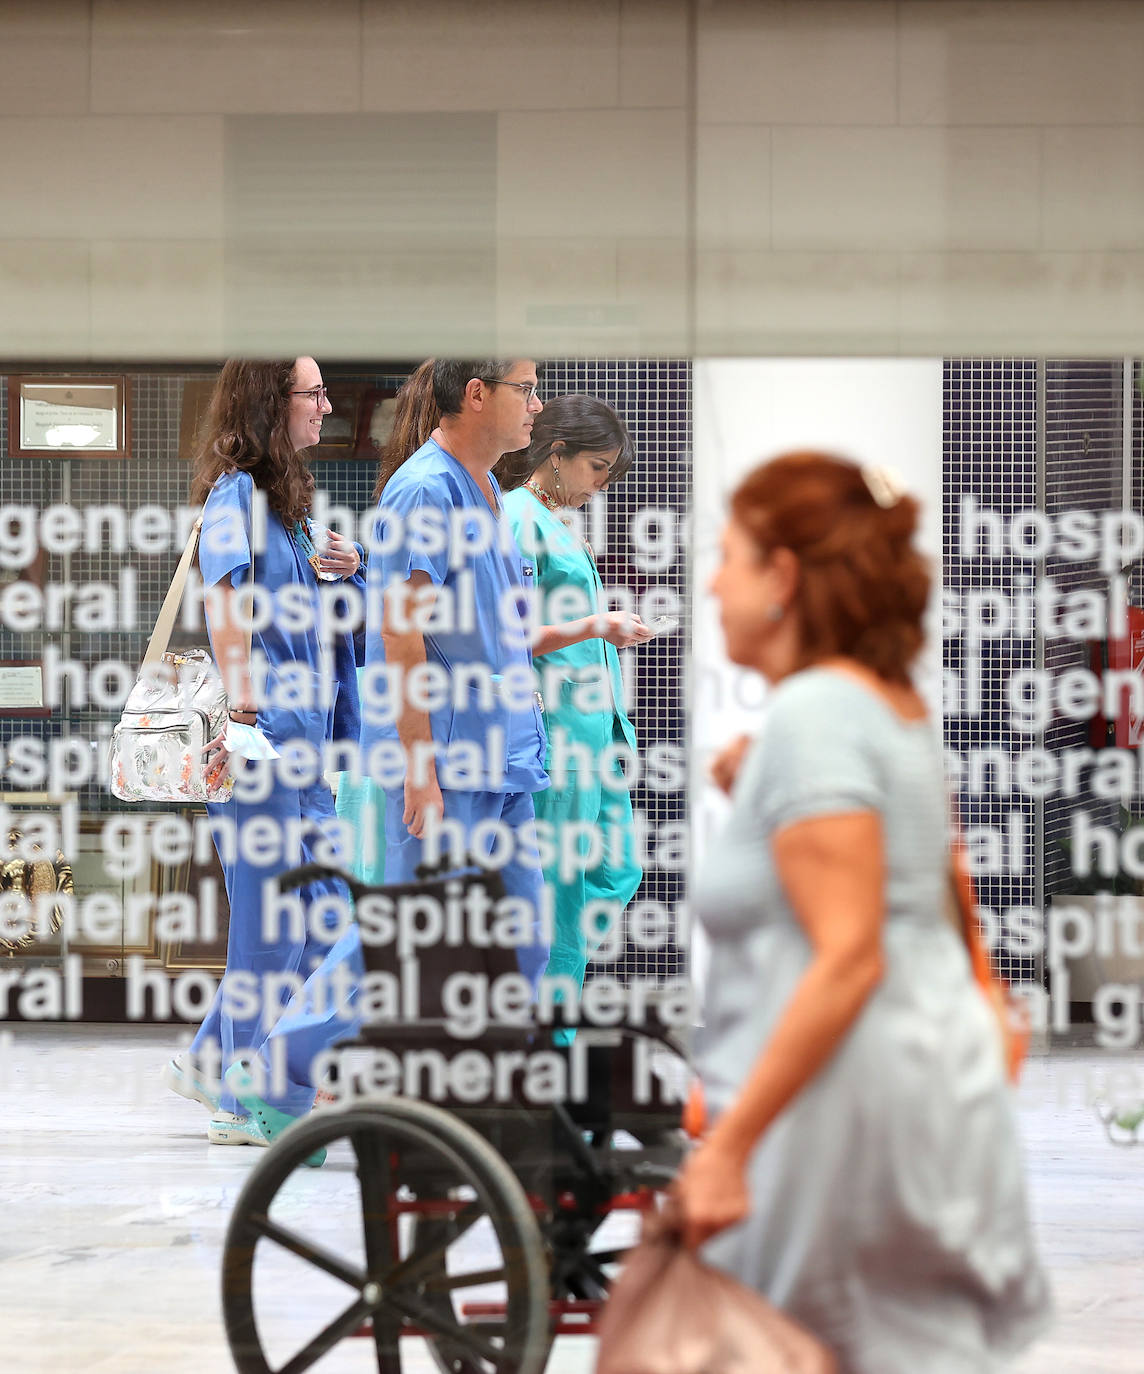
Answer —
247 430
415 418
863 586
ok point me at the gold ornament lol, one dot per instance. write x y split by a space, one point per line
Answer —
31 879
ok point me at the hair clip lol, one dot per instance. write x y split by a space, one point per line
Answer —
883 486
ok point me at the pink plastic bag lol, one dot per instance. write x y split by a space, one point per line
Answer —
669 1313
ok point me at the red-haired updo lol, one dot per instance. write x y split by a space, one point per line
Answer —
863 586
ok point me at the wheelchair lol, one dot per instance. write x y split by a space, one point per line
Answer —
461 1234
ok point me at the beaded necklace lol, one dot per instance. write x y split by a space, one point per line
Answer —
551 503
543 497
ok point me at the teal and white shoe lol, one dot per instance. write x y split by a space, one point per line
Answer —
227 1129
182 1079
270 1120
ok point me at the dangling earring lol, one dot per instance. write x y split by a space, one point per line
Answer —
556 479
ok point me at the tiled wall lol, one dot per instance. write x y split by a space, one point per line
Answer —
668 177
990 445
1047 436
1084 466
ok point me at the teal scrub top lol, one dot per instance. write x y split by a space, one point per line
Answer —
588 706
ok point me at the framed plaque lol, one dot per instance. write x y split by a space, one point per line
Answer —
340 427
32 571
359 424
197 393
207 883
378 410
22 689
72 417
91 873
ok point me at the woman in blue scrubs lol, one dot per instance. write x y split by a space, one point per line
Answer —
262 418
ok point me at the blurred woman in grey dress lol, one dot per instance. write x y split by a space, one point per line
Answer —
863 1169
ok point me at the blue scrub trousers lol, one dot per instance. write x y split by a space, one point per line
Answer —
246 949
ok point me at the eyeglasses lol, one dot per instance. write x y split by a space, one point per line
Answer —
317 394
529 389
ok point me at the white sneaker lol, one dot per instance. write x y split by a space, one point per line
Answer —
182 1079
227 1129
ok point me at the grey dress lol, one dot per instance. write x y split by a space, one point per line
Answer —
888 1199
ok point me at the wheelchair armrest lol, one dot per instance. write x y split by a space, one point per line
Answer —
416 1032
309 873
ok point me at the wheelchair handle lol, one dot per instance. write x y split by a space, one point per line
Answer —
309 873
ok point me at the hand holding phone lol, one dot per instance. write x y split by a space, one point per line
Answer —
624 630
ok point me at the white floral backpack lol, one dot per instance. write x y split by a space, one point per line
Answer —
177 705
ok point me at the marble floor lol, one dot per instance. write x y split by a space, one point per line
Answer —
114 1209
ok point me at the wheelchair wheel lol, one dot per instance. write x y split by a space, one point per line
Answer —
414 1227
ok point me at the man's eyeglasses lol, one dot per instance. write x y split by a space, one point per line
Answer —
529 389
317 394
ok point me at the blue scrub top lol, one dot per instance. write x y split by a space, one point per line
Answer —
490 588
298 673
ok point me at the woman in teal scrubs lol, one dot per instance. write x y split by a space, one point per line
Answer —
579 447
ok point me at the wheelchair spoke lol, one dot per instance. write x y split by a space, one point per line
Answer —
421 1262
376 1191
428 1318
448 1283
307 1250
380 1226
327 1338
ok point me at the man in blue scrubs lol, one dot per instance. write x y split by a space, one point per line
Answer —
462 749
447 561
